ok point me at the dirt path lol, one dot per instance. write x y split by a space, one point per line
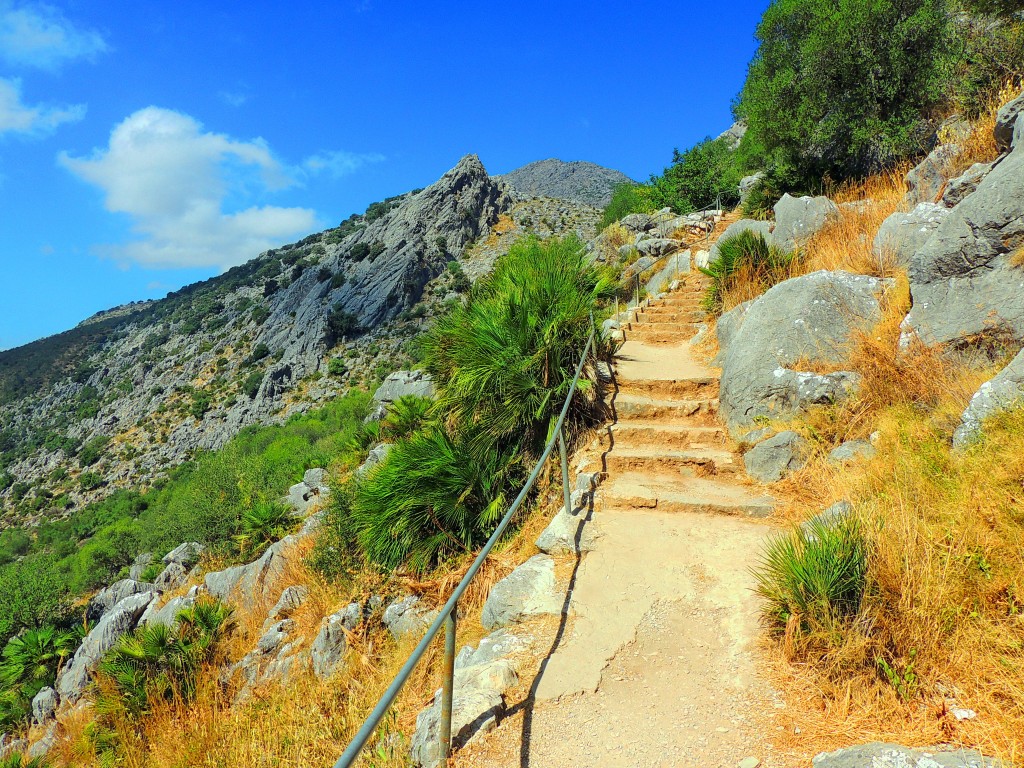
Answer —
657 665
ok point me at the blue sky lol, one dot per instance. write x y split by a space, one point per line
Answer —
146 145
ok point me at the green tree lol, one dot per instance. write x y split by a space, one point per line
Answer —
698 177
845 87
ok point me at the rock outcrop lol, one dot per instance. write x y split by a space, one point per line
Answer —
1005 390
579 182
804 320
798 219
902 234
882 755
528 591
772 459
963 280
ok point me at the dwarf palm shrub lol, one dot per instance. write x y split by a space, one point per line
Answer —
29 663
815 577
435 495
747 258
263 523
505 359
155 663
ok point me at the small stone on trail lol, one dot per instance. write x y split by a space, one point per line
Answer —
748 762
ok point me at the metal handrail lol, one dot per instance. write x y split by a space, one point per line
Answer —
447 614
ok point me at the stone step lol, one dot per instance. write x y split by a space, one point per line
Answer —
664 462
654 335
700 387
634 490
701 411
641 433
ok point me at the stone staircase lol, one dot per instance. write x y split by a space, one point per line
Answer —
668 450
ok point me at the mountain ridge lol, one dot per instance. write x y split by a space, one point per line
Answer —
577 181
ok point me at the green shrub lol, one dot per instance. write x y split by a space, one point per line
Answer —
261 524
336 367
703 175
359 251
93 450
260 314
323 275
435 495
88 481
627 199
845 89
340 325
250 385
151 664
747 256
460 281
259 352
338 280
507 357
29 664
814 577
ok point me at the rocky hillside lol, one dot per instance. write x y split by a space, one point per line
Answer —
137 389
577 182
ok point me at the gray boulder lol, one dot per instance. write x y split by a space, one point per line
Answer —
500 643
657 247
186 554
747 184
728 324
880 755
770 460
1004 391
851 450
798 219
808 318
114 594
834 515
376 455
291 599
171 577
962 281
638 222
328 650
1007 122
640 265
901 234
926 180
254 584
44 705
528 591
316 479
407 616
120 619
733 135
275 636
477 703
10 746
570 531
168 613
763 228
402 383
965 184
45 744
140 564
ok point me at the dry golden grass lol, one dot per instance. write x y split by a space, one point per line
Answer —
946 573
310 722
979 146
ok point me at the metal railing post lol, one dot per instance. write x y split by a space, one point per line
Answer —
448 688
566 496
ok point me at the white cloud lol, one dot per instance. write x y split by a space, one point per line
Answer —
38 35
338 163
233 98
173 179
17 117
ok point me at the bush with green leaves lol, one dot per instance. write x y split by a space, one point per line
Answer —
17 760
706 174
341 325
748 257
435 495
506 359
262 524
154 663
626 199
815 577
29 663
845 89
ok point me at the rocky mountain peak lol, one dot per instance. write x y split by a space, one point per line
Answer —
577 181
